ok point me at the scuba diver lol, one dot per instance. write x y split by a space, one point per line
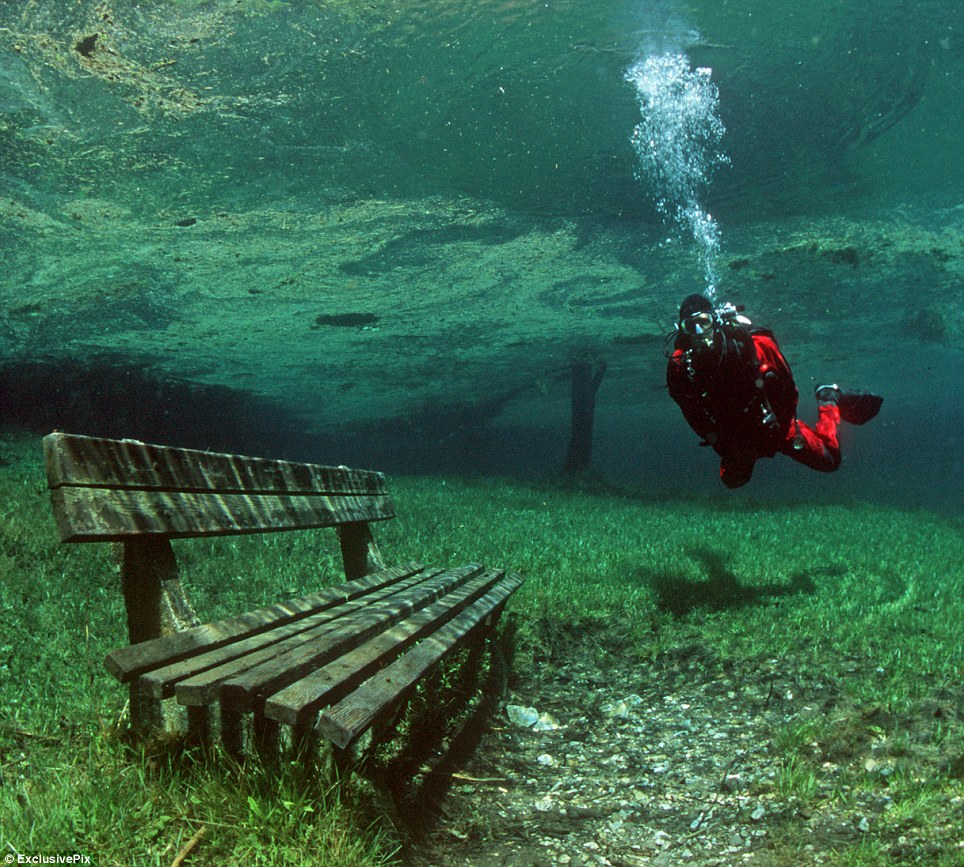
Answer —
736 391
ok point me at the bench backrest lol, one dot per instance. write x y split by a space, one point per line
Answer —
116 490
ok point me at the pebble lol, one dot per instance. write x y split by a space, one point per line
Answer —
623 708
522 716
661 840
530 718
546 723
624 771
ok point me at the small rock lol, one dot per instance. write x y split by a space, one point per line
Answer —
546 759
522 716
622 708
546 723
758 814
863 825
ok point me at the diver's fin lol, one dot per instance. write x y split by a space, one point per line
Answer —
858 407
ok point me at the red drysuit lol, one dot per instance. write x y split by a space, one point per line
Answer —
739 395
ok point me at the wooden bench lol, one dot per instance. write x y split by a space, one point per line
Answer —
333 662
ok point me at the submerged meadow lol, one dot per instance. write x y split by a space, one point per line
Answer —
864 601
386 234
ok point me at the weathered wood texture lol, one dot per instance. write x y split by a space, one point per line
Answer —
351 651
359 552
104 490
290 705
153 596
96 462
156 605
354 714
128 663
288 662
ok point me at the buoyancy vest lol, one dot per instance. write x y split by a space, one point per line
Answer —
741 394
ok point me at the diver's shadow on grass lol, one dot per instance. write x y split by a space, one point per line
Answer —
721 590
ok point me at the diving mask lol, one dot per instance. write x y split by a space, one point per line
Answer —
699 325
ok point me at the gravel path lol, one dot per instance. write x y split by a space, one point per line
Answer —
677 761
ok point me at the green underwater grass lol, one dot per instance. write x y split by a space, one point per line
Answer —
868 598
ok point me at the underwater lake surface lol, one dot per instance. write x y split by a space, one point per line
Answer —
381 233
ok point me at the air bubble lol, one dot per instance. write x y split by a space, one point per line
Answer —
678 145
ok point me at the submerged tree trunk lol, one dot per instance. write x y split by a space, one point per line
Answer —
587 374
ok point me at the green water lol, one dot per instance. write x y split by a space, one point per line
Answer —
380 231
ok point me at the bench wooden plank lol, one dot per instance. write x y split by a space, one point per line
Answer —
96 462
160 682
283 669
343 722
128 663
105 515
294 704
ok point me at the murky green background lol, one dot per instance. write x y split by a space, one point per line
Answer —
379 232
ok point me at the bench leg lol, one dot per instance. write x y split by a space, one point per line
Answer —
199 725
266 737
146 715
153 596
232 731
359 552
156 605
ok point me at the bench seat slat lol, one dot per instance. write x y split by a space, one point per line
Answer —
128 663
343 722
72 459
160 682
282 669
295 703
105 515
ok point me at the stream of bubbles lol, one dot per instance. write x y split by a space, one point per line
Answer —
678 146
